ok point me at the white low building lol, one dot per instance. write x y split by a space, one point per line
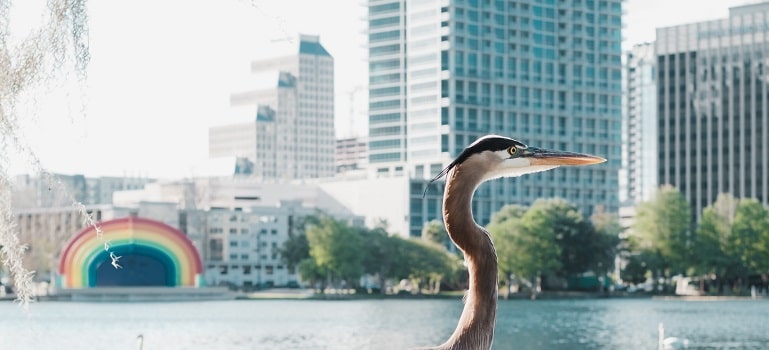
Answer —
238 225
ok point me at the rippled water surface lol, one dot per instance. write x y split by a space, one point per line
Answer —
380 324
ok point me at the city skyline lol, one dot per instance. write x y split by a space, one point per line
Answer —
547 72
177 107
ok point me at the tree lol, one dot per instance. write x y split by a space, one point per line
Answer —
636 270
606 242
712 239
435 232
663 229
576 237
731 241
312 273
526 247
503 232
296 248
508 212
751 226
336 249
423 263
379 254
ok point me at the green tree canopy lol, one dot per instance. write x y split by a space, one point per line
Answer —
576 238
424 263
712 240
508 212
606 243
662 227
526 246
379 254
434 231
749 236
336 248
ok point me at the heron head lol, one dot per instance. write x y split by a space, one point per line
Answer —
495 156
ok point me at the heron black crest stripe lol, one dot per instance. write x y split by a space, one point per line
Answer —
491 143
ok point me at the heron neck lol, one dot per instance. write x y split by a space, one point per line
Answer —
476 325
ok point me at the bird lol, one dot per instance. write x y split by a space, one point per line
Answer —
489 157
670 343
115 259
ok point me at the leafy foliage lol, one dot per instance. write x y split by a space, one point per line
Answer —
749 236
435 232
330 251
551 238
526 245
727 250
713 237
662 226
336 248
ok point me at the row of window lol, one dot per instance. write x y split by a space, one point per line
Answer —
511 5
268 269
246 244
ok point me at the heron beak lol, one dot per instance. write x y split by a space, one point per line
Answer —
541 156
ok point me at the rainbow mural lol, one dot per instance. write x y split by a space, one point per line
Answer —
84 253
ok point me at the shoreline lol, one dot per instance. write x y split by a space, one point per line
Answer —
304 294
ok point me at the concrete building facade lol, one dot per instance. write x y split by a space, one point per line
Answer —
713 106
351 154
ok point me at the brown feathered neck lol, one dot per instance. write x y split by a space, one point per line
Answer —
475 329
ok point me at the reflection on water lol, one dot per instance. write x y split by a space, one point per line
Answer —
380 324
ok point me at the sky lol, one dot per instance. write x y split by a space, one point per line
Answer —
161 73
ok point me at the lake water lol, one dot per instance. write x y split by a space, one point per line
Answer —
380 324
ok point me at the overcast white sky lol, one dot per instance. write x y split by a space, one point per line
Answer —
161 73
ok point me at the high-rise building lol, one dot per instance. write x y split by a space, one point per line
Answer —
291 135
638 175
547 72
712 106
351 154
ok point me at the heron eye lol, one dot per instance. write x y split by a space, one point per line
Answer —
512 150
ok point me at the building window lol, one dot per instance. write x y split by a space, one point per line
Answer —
215 249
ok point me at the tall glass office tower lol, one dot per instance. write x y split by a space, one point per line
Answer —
713 106
546 72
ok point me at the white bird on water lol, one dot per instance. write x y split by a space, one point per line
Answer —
671 343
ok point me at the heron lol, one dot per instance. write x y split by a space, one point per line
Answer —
487 158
